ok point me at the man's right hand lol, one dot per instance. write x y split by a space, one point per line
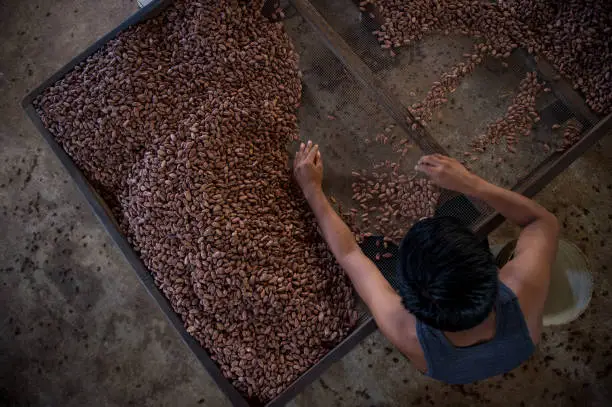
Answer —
308 168
448 173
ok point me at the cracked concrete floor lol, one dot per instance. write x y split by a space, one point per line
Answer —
77 329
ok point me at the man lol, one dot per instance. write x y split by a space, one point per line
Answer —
457 318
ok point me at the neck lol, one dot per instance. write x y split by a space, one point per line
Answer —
480 333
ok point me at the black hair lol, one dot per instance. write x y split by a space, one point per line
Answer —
448 277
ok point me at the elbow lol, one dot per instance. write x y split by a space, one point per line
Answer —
347 251
351 248
546 222
552 223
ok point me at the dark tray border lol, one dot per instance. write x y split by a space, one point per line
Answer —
103 213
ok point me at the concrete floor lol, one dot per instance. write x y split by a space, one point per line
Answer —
77 329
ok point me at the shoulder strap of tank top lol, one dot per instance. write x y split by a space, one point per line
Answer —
505 294
513 318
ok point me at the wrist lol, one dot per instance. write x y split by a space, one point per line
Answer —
312 191
475 186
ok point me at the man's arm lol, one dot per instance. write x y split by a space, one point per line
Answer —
528 274
365 276
395 322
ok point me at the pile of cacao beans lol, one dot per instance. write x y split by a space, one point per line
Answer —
181 124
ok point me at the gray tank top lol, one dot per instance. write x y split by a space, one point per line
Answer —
510 346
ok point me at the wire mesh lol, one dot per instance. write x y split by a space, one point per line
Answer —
338 114
337 111
480 99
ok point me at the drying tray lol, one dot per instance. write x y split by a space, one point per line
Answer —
473 214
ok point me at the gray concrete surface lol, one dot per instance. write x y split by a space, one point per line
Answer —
77 329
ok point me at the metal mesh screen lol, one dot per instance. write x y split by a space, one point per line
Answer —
338 114
481 98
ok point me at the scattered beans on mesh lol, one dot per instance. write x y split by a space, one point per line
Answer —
388 202
518 120
571 134
387 199
574 36
439 91
181 123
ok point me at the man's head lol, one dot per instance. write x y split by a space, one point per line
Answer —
447 274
